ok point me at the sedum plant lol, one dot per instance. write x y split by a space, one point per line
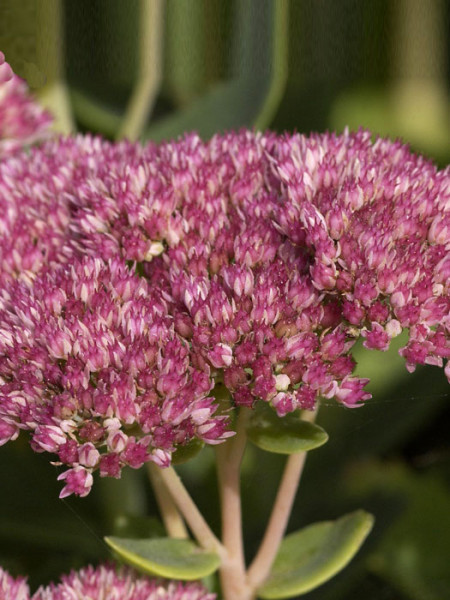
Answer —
156 298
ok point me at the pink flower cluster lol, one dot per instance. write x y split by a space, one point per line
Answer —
134 279
92 365
101 583
376 218
22 120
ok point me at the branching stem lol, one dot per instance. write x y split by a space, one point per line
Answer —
149 69
50 56
237 583
187 507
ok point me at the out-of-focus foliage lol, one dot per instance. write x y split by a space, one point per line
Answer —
298 64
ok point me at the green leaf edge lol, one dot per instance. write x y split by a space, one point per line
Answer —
274 590
209 561
187 452
260 425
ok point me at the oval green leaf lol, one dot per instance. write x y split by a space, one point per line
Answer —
283 435
313 555
166 557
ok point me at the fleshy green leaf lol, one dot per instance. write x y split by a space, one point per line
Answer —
218 88
256 82
186 452
283 435
166 557
313 555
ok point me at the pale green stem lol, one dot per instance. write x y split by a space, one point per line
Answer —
50 55
151 15
193 517
172 519
279 70
279 518
229 459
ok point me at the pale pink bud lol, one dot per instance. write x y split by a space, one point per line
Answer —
60 344
393 328
284 403
161 458
439 232
117 441
282 382
49 438
221 356
88 455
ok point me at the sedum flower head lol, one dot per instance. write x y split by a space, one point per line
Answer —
22 120
101 583
138 282
376 218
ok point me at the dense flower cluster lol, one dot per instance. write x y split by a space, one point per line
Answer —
103 583
376 218
134 279
92 365
22 120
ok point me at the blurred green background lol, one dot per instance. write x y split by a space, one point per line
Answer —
154 69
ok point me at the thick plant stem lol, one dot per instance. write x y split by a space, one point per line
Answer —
193 517
149 70
229 459
50 57
279 70
279 518
172 519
